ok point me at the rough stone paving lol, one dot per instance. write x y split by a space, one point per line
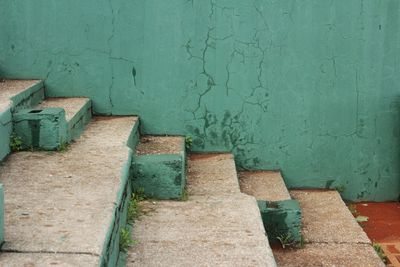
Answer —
217 226
63 202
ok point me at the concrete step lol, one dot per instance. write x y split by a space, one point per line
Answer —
281 215
213 175
71 202
159 167
20 94
15 95
216 226
332 236
53 122
264 185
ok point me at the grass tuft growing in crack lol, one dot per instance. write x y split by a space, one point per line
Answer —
15 143
125 239
380 252
63 147
133 206
188 142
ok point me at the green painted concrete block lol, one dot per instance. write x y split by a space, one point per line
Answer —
43 128
5 132
1 215
160 176
281 219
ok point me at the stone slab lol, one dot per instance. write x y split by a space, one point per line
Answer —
343 255
264 185
65 202
47 260
327 219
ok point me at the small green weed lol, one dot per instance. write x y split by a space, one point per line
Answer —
353 210
185 195
340 188
133 206
188 142
302 242
15 143
63 146
380 252
125 240
286 240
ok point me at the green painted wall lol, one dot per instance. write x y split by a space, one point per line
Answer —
307 86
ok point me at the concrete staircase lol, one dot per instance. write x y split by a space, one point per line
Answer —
329 233
216 226
69 208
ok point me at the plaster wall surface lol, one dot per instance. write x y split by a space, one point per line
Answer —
310 87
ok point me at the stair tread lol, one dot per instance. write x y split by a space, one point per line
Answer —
46 259
71 105
264 185
207 230
212 174
10 88
332 235
327 219
64 202
150 145
329 255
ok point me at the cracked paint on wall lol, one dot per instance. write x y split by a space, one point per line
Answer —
310 87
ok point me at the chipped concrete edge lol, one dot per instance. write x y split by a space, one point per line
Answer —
110 254
30 97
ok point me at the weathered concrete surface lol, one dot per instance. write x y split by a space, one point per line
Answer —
11 89
71 105
213 175
264 185
64 202
150 145
326 218
209 229
46 260
329 255
332 236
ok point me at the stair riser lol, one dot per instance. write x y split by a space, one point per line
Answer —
5 133
281 219
47 128
78 123
160 176
28 98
